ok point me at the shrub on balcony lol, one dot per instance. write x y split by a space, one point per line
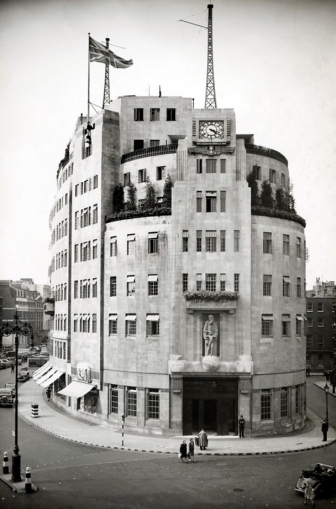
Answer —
207 295
281 214
130 214
49 300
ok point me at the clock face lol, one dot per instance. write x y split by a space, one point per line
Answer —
211 129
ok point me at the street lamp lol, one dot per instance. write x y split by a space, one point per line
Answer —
326 390
7 329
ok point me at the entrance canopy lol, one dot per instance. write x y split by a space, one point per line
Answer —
76 389
52 379
40 372
46 376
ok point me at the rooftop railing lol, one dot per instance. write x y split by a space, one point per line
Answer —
149 152
268 152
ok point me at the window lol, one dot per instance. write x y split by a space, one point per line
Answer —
320 307
236 240
223 165
211 241
76 220
286 286
75 289
298 287
153 404
131 244
298 247
309 321
272 176
309 341
94 322
298 325
283 180
76 253
222 279
153 284
153 243
141 176
267 285
171 114
113 286
184 282
257 172
320 322
285 244
138 144
94 287
131 401
84 289
86 186
94 249
236 283
95 182
138 114
113 246
75 323
267 242
198 241
320 343
222 240
76 189
198 201
267 325
284 402
185 238
154 143
198 282
199 163
286 325
210 282
160 170
265 405
114 396
210 201
112 324
155 114
130 291
95 214
130 325
127 179
210 165
223 201
153 325
298 399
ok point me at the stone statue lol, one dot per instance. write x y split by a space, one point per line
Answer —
210 336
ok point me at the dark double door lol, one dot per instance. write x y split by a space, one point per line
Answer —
210 404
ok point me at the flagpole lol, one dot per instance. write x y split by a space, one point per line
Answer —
88 104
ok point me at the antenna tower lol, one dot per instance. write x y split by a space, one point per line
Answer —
210 94
106 99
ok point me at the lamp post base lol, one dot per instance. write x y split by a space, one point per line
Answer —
16 467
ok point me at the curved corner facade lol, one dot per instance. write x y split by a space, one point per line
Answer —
186 320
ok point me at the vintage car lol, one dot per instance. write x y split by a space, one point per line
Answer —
323 479
23 376
6 397
11 386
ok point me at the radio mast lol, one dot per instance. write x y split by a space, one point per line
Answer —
106 99
210 94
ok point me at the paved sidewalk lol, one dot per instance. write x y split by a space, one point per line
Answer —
60 424
321 385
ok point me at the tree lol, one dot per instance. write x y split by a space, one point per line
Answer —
150 200
290 200
118 198
131 202
266 196
253 184
167 192
280 199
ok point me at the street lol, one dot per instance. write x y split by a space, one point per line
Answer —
72 476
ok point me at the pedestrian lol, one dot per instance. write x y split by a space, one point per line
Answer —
325 427
203 439
309 493
183 451
241 423
48 392
12 368
191 453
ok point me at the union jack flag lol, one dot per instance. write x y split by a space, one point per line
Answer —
99 53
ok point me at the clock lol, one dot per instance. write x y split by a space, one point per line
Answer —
211 129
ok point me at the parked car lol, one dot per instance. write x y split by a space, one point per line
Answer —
6 397
5 363
323 479
23 376
12 360
11 386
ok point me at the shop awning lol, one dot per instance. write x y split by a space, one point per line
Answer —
52 379
153 318
41 371
46 376
76 389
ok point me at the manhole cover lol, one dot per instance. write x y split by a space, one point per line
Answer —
238 489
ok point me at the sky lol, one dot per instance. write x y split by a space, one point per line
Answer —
274 63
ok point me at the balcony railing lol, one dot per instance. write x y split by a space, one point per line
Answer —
268 152
159 150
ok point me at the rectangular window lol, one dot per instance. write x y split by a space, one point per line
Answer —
130 325
198 282
320 307
153 286
298 287
86 186
284 402
236 240
160 171
95 181
75 323
222 279
298 325
210 165
132 401
76 189
286 325
94 249
265 405
309 321
298 247
199 163
113 246
114 399
131 244
185 238
153 325
257 172
286 286
155 114
211 201
298 399
153 404
76 220
198 241
138 114
309 341
153 243
285 244
95 214
267 325
75 289
211 241
222 240
267 242
113 286
272 176
138 145
113 324
236 283
198 201
210 282
320 322
223 165
320 343
184 282
94 322
223 201
94 287
130 290
127 179
154 143
283 180
141 176
267 285
76 253
171 114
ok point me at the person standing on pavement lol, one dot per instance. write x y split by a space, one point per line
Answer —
12 368
183 451
241 423
203 439
325 427
192 451
309 493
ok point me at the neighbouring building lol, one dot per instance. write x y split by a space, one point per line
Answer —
177 313
321 326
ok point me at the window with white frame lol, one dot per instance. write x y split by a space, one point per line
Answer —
222 240
210 282
130 286
131 244
236 282
320 307
153 285
199 279
130 325
211 241
285 244
267 325
94 287
222 282
131 401
236 237
265 404
298 325
185 238
222 201
198 201
94 249
153 403
298 247
267 242
286 286
113 286
153 243
286 325
320 322
114 399
113 324
184 282
153 325
198 241
210 201
95 214
267 285
284 402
